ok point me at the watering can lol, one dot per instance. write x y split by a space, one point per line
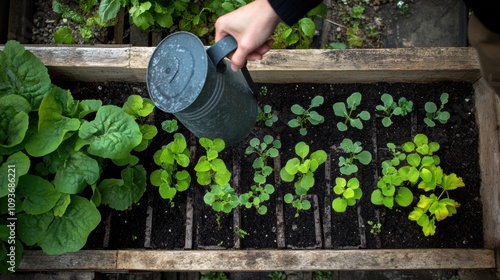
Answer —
191 82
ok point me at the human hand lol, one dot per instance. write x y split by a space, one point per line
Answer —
252 26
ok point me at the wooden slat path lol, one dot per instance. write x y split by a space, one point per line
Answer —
261 260
421 65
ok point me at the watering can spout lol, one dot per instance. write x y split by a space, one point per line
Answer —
191 82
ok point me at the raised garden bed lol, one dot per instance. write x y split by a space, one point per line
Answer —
420 66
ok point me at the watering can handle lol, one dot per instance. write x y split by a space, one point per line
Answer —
221 49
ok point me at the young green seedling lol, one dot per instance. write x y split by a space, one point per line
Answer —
221 198
355 151
376 228
170 126
349 192
260 191
434 113
210 169
300 170
346 111
391 108
169 178
304 116
266 115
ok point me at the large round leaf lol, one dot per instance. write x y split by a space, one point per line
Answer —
113 133
69 233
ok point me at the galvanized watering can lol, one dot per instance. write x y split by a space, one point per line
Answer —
192 83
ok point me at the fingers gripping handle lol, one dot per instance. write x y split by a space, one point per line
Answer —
221 49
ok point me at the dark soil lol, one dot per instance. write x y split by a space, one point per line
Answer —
458 139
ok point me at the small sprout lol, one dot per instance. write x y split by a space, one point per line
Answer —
355 151
304 116
341 110
349 192
434 113
170 126
390 108
241 233
266 115
376 228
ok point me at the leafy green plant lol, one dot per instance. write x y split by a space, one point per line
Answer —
390 108
299 35
221 198
266 115
300 170
261 190
84 17
210 169
196 17
356 152
434 113
70 141
304 116
341 110
422 171
170 126
169 178
277 275
375 228
349 192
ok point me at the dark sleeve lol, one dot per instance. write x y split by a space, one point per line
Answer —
487 11
290 11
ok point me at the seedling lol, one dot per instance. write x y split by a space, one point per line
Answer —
422 170
376 228
304 116
221 198
210 169
260 191
390 108
300 170
241 233
349 192
355 151
434 113
170 126
169 178
341 110
397 156
266 115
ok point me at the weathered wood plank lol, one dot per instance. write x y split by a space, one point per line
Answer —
420 65
488 122
95 260
306 260
260 260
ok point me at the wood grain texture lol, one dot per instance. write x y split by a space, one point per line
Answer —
261 260
418 65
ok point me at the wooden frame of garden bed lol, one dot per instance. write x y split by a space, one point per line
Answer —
416 65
